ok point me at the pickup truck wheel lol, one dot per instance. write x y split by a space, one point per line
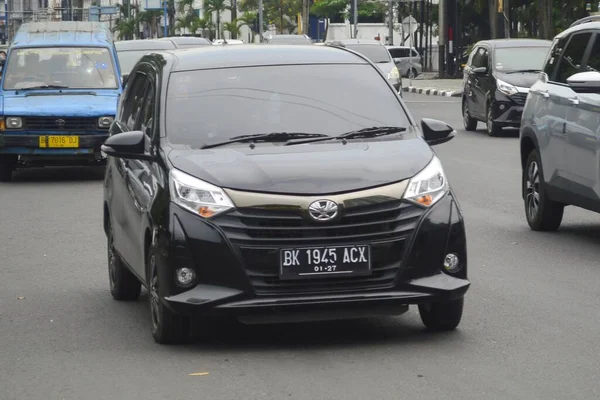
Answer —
442 316
7 165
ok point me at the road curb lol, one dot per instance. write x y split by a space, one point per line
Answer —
433 91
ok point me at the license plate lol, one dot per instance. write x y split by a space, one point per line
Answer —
59 141
319 262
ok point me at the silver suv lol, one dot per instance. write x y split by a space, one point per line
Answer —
560 129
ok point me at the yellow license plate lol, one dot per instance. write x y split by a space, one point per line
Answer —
71 142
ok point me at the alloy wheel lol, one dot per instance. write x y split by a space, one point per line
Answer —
465 113
489 121
532 191
112 262
154 299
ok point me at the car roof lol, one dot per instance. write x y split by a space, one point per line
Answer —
56 33
206 57
187 40
588 23
506 43
356 41
144 44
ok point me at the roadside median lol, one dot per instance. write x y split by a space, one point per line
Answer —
434 87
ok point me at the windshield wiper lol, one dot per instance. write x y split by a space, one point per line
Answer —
42 87
361 133
524 70
267 137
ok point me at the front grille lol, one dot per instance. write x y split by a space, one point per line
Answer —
67 124
259 234
519 98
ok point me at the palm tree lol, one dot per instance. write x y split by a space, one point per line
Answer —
232 27
248 19
217 6
203 24
151 17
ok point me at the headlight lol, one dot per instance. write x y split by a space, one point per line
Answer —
104 122
13 123
429 185
197 196
394 73
506 88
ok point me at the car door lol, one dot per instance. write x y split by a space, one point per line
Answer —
583 127
563 147
129 107
141 184
125 242
477 83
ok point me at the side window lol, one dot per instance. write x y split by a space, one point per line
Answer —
593 63
472 57
481 58
133 101
572 57
553 55
146 120
415 53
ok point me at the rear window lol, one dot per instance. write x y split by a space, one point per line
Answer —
210 106
374 52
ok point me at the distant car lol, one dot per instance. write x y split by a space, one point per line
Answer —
496 81
408 60
287 39
376 52
130 51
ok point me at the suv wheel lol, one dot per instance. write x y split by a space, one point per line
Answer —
167 326
123 284
493 129
412 73
442 316
7 165
470 123
541 212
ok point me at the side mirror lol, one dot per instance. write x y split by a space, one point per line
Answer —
130 145
585 82
124 79
436 132
479 70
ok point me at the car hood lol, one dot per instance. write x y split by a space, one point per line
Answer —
63 105
311 169
522 79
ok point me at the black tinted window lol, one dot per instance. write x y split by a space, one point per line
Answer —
481 58
593 63
374 52
570 63
210 106
398 53
553 56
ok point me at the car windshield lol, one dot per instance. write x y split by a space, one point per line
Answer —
211 106
374 52
128 59
520 58
72 67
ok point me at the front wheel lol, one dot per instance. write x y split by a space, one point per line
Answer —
443 316
493 129
167 326
123 284
469 122
542 213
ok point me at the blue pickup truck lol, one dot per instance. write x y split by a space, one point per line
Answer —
59 92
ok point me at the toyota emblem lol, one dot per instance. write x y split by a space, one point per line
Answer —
323 210
60 122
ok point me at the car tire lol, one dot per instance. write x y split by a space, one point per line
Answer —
469 122
7 166
168 327
124 286
493 129
412 73
443 316
542 213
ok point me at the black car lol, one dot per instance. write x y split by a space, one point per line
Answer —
496 81
301 204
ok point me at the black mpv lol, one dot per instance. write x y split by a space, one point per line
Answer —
254 182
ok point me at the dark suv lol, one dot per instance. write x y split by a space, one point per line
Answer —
561 129
301 204
496 80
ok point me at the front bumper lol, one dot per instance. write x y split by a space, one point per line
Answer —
508 110
238 274
28 144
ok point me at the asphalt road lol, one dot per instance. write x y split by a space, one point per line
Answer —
531 326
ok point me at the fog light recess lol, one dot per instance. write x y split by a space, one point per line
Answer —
185 276
451 263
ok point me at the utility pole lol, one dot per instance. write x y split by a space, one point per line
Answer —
442 38
355 16
391 23
260 20
305 16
